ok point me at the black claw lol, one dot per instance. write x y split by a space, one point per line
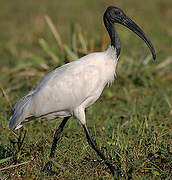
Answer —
48 169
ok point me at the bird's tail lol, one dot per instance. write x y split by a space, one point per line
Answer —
21 112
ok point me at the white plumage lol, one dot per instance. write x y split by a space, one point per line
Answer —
68 90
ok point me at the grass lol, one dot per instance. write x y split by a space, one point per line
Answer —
131 122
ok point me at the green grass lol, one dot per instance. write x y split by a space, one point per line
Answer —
132 120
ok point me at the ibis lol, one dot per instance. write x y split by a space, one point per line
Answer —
68 90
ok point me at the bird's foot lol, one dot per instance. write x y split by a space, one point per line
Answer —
48 169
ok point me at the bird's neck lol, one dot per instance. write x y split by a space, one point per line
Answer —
115 40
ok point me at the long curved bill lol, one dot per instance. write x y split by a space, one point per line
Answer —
136 29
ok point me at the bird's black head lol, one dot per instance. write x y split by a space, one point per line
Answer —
116 15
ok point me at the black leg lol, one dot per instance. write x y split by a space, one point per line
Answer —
93 145
48 166
57 136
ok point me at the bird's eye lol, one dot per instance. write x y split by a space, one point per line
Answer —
118 13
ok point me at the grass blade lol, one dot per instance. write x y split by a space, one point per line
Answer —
6 159
54 31
71 54
47 49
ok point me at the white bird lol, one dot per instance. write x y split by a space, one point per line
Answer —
70 89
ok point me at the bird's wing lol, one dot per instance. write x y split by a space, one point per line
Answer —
66 87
